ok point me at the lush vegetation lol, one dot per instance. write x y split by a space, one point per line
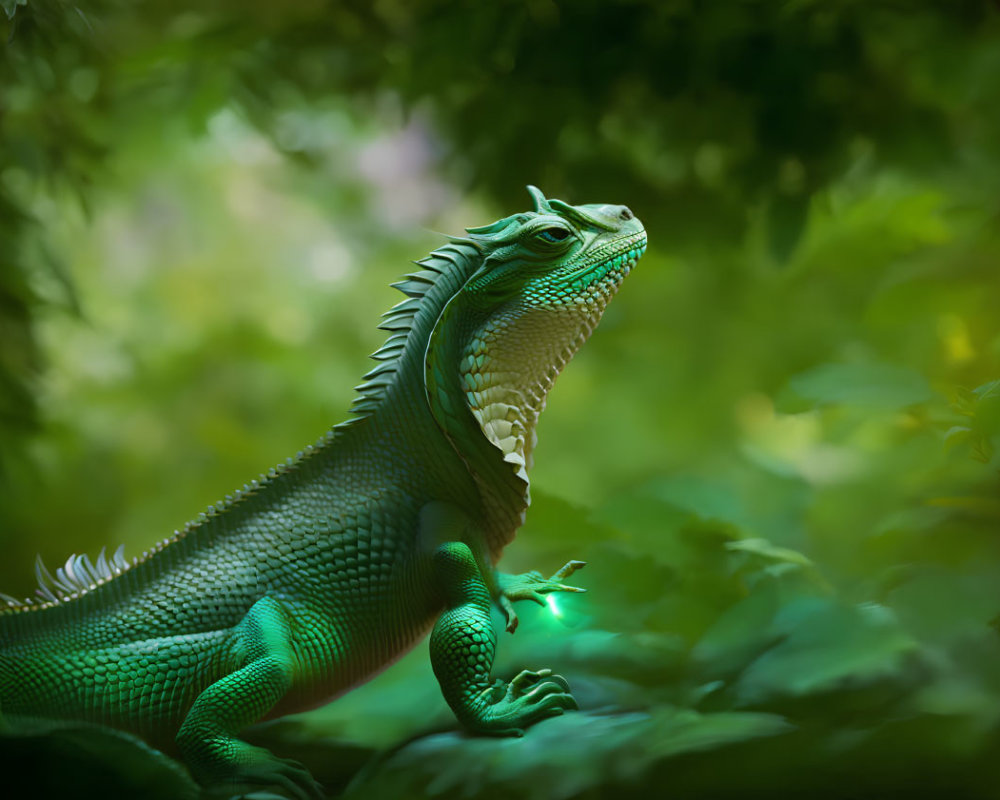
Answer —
777 454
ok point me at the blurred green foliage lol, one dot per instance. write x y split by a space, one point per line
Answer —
778 453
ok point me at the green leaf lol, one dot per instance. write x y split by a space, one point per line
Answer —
957 435
740 634
708 499
765 549
10 6
88 761
579 754
829 649
867 385
946 605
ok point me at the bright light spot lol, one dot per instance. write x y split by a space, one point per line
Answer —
754 412
288 325
238 142
553 606
329 262
792 444
955 337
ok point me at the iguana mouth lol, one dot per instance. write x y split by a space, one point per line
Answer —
600 268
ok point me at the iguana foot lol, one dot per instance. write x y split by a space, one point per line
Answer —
289 777
507 709
532 586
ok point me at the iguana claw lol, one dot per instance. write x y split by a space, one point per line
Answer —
532 695
290 777
532 586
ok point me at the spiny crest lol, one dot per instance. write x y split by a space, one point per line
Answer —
79 575
541 202
400 319
504 230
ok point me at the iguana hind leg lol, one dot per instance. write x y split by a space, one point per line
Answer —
462 649
207 739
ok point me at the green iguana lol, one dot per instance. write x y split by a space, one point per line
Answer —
314 578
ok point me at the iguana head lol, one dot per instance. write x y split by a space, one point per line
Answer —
542 284
557 257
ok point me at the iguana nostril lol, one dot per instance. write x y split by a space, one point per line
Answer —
626 214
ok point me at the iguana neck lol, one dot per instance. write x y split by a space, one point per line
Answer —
508 369
487 380
420 364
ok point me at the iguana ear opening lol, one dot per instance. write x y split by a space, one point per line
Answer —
541 204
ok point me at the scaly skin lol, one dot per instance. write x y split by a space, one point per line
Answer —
314 578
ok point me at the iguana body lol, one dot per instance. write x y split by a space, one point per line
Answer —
313 579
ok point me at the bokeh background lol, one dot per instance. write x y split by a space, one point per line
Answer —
777 453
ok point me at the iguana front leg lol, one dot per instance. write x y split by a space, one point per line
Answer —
462 648
531 586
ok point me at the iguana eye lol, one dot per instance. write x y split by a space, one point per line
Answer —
553 234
